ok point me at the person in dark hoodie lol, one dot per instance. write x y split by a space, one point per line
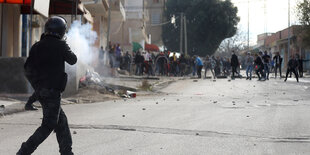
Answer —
45 70
259 66
292 67
234 62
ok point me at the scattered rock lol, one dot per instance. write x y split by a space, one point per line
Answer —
143 109
229 80
233 102
215 102
197 134
283 92
161 148
247 116
74 132
123 116
195 80
248 102
254 86
156 102
295 100
114 101
178 100
254 144
214 80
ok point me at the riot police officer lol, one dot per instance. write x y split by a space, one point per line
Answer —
45 70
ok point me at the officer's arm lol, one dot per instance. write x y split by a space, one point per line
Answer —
69 56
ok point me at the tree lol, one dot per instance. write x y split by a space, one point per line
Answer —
303 11
236 43
209 22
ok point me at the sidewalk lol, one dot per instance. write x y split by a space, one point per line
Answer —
15 103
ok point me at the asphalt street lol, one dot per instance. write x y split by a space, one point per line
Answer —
236 117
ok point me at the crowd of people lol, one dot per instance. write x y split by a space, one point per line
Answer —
173 64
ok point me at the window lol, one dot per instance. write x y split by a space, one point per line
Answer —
155 1
155 18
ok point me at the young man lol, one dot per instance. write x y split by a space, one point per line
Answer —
258 63
266 61
208 66
45 69
278 61
249 61
234 64
292 66
199 65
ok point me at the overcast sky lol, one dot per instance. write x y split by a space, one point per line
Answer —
276 16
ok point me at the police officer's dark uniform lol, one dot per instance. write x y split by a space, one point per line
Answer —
45 69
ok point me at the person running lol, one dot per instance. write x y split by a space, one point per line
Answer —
249 62
278 62
292 67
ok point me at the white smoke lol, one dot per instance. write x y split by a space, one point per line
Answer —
81 39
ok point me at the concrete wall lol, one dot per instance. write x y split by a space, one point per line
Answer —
10 30
12 79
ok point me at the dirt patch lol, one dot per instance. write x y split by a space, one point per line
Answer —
91 94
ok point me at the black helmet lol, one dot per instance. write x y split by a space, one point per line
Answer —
56 26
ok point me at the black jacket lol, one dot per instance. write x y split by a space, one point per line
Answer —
46 63
277 59
234 60
293 64
258 62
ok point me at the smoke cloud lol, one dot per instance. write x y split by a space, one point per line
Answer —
81 39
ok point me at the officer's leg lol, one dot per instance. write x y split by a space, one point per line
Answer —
63 135
50 108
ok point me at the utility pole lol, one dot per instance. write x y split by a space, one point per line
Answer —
289 29
109 24
181 34
185 35
248 25
76 9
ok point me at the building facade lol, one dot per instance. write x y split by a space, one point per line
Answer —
154 25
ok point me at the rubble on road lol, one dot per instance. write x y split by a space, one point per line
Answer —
93 88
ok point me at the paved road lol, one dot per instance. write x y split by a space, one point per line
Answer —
205 117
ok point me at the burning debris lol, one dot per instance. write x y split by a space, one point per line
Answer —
92 80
